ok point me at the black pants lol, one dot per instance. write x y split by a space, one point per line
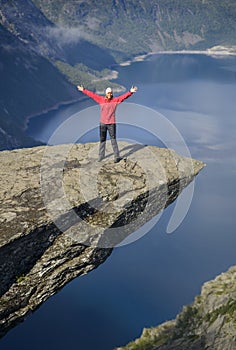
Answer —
103 136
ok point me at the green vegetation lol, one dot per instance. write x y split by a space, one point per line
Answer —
20 279
91 79
186 321
150 339
228 310
185 327
134 27
84 37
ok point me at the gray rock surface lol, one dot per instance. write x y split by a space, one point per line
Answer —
62 212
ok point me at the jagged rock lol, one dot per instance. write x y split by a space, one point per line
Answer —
62 212
209 323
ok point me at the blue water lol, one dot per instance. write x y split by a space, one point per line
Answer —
147 282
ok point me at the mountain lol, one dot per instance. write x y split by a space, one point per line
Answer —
58 207
209 323
28 24
138 26
29 84
49 46
30 80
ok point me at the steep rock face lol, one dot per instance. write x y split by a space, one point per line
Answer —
31 27
138 26
29 84
209 323
62 212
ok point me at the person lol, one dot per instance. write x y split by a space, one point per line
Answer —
108 105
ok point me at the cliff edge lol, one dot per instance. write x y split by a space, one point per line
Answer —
208 323
62 212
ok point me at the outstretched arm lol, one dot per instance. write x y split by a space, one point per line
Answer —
129 93
80 87
133 89
91 94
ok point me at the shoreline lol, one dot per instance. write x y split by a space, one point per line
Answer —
111 76
49 109
221 52
208 52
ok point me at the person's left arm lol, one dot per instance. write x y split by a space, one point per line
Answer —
129 93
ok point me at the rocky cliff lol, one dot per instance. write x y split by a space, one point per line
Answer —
62 212
209 323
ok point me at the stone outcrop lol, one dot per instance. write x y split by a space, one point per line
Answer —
62 212
209 323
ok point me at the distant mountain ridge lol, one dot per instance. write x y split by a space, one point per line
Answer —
48 46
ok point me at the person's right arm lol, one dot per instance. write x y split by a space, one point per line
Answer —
91 94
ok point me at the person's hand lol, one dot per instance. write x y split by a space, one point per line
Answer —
133 89
80 87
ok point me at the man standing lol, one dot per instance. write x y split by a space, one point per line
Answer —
108 105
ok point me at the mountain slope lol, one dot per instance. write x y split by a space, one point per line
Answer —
30 26
30 80
29 84
137 26
48 46
209 323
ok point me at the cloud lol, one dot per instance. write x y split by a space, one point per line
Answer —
65 35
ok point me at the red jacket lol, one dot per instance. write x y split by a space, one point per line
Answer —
108 107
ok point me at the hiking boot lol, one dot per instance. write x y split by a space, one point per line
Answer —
117 160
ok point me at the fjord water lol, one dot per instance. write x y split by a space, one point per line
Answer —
147 282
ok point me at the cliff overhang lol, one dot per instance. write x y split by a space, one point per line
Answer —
62 212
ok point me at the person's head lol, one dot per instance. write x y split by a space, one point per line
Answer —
109 93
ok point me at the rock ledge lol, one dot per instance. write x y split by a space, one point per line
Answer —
62 212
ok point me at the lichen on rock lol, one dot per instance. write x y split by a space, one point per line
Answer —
208 323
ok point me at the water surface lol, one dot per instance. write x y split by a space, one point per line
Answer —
147 282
